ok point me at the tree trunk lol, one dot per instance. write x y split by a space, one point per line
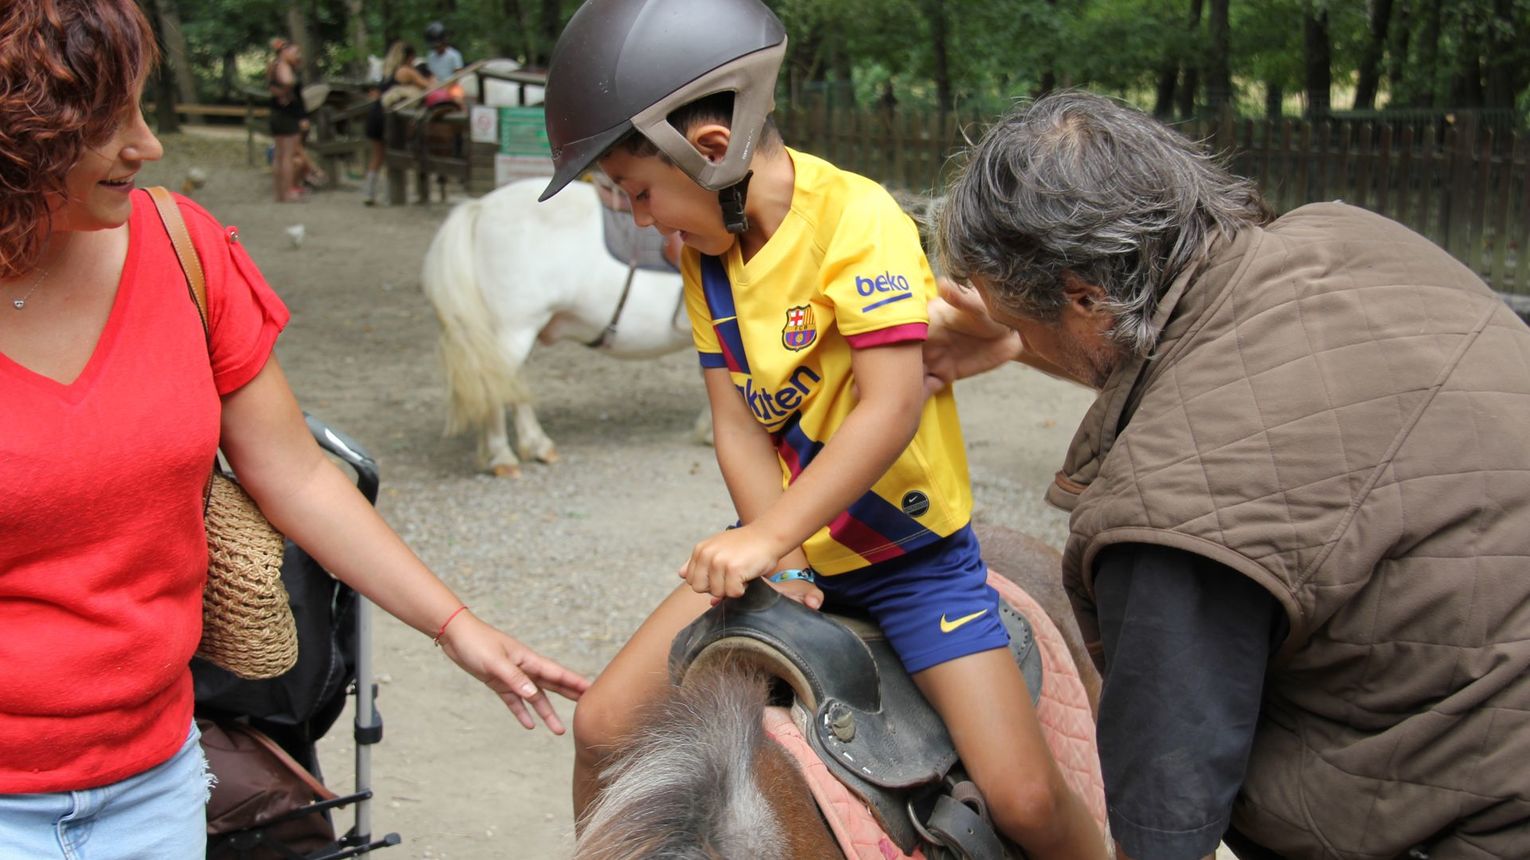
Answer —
552 25
297 25
1163 99
385 10
1426 72
1397 54
1192 73
1370 60
1317 59
165 118
521 41
228 81
936 11
1274 100
1048 80
1466 83
355 10
1218 74
1504 76
174 41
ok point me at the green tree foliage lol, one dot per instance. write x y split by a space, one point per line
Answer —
977 55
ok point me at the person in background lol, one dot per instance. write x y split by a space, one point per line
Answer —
115 398
289 118
398 70
443 59
1297 537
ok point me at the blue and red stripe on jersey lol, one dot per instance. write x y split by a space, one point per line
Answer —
872 527
719 294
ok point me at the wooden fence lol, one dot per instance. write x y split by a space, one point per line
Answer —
1464 185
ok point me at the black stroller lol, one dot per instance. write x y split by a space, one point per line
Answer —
289 817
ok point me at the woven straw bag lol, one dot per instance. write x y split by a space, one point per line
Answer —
247 624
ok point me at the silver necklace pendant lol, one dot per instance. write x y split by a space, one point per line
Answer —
21 303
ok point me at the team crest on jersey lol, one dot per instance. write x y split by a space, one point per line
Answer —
799 332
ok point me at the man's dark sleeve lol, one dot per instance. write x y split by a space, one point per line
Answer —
1186 644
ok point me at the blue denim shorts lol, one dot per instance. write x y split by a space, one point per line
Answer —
160 814
933 604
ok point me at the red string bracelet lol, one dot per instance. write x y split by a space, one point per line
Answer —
442 632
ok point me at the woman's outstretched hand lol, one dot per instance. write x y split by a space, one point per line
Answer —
518 674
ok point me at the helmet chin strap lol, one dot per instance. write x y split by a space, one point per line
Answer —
732 200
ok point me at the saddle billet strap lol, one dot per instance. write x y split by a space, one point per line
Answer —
609 332
961 830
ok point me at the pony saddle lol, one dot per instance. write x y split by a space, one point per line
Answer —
632 246
867 720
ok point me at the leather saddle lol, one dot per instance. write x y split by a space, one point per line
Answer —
626 242
868 721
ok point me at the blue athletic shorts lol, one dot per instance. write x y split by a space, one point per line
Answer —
934 604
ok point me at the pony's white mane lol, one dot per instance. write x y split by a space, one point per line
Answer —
684 788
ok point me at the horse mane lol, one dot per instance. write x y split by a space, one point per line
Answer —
684 786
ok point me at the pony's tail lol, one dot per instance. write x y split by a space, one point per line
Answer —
479 379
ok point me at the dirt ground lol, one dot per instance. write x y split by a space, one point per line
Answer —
570 557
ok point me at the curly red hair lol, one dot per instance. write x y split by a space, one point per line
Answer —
68 73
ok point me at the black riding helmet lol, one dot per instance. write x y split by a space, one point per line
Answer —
435 31
622 65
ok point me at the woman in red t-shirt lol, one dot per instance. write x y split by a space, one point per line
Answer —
111 413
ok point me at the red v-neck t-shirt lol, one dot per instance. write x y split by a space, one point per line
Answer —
102 551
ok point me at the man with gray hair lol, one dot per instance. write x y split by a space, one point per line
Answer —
1300 504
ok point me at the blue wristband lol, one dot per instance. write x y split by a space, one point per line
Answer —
805 574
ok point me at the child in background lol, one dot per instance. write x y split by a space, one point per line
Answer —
807 291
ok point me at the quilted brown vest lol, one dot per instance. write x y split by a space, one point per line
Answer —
1341 412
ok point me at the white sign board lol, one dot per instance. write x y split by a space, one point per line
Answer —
509 168
483 124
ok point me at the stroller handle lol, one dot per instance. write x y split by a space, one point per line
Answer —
350 451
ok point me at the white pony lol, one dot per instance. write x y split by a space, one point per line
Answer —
505 272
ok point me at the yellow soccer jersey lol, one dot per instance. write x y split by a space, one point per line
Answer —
843 271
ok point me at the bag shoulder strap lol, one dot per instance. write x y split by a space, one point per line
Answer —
185 251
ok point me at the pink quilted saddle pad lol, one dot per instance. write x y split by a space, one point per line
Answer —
1063 711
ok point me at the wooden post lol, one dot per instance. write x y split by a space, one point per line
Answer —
1479 254
1501 237
1428 169
1303 169
1283 167
1363 165
1384 170
1344 155
1264 159
1522 233
249 130
1460 188
393 133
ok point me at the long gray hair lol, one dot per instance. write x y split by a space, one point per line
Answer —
1075 182
685 789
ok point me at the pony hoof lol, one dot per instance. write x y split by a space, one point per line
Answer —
549 457
503 471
